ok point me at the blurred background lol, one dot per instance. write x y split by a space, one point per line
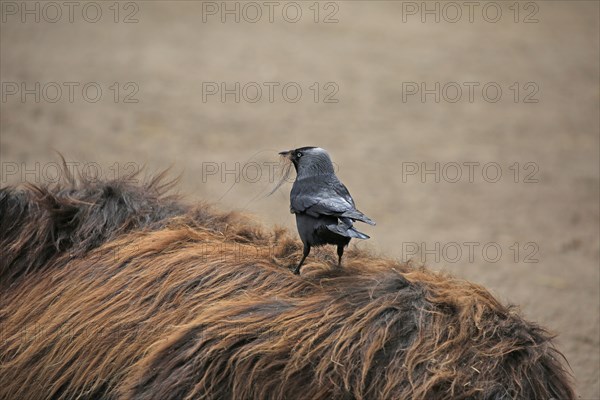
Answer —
468 131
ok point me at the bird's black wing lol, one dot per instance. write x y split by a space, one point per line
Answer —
319 196
324 197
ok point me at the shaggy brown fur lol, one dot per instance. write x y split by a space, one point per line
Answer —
114 291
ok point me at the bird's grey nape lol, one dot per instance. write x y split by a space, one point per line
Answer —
316 162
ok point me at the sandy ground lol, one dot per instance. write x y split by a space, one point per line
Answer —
544 220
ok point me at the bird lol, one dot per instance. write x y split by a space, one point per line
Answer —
325 211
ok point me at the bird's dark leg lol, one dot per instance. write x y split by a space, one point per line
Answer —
304 255
340 252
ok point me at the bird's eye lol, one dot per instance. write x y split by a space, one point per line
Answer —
298 154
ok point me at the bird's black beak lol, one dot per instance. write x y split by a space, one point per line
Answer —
285 153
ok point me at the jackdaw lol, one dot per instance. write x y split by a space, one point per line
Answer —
323 206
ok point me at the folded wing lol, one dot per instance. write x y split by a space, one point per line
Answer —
317 197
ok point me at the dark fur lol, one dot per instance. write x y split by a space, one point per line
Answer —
39 223
111 290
